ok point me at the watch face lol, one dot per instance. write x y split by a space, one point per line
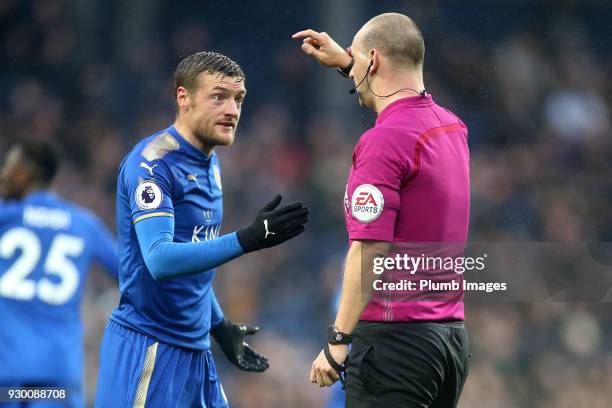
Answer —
334 336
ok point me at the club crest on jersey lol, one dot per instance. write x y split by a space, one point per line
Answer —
367 203
148 195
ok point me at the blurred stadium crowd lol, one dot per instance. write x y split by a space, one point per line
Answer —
530 78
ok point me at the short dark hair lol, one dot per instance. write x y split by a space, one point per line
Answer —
43 157
190 67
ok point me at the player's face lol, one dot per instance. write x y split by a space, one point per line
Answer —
13 175
215 108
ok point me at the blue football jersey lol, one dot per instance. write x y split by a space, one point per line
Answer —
46 247
164 175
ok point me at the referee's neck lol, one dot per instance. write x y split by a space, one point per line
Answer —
407 84
382 103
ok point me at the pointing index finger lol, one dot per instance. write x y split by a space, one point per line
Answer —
306 34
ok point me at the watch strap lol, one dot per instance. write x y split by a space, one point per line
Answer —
347 70
340 369
335 336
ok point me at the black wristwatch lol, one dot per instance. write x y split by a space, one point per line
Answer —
347 70
335 336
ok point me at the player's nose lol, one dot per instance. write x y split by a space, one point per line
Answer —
231 109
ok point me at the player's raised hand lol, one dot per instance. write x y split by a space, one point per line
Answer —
231 339
323 48
274 225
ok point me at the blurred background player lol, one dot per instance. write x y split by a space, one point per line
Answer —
409 182
47 245
156 348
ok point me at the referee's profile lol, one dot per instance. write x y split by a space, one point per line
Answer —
408 183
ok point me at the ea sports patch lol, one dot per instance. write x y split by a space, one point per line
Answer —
148 195
367 203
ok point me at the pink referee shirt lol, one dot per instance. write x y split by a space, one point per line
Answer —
409 182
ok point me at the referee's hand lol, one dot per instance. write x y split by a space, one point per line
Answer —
321 372
323 48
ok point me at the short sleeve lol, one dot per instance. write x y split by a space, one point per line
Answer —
148 186
374 187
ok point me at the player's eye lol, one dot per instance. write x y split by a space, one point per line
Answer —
217 97
239 101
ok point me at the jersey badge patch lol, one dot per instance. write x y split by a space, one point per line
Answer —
367 203
148 195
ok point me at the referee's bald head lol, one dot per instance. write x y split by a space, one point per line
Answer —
395 36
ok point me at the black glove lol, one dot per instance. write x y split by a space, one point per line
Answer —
230 337
273 226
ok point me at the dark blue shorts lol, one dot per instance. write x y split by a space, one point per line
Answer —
137 371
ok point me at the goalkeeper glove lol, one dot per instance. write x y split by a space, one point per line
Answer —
231 339
273 225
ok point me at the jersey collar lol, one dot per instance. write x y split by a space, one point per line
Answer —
408 102
189 148
35 194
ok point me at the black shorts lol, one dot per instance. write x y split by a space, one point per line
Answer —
407 365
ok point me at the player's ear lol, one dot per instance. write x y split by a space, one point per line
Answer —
182 97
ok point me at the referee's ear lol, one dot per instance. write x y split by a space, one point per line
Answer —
374 60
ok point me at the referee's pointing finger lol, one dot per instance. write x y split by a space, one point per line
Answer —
308 33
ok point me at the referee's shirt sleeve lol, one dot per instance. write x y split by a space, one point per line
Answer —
149 186
373 190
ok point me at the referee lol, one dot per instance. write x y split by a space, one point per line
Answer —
409 183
